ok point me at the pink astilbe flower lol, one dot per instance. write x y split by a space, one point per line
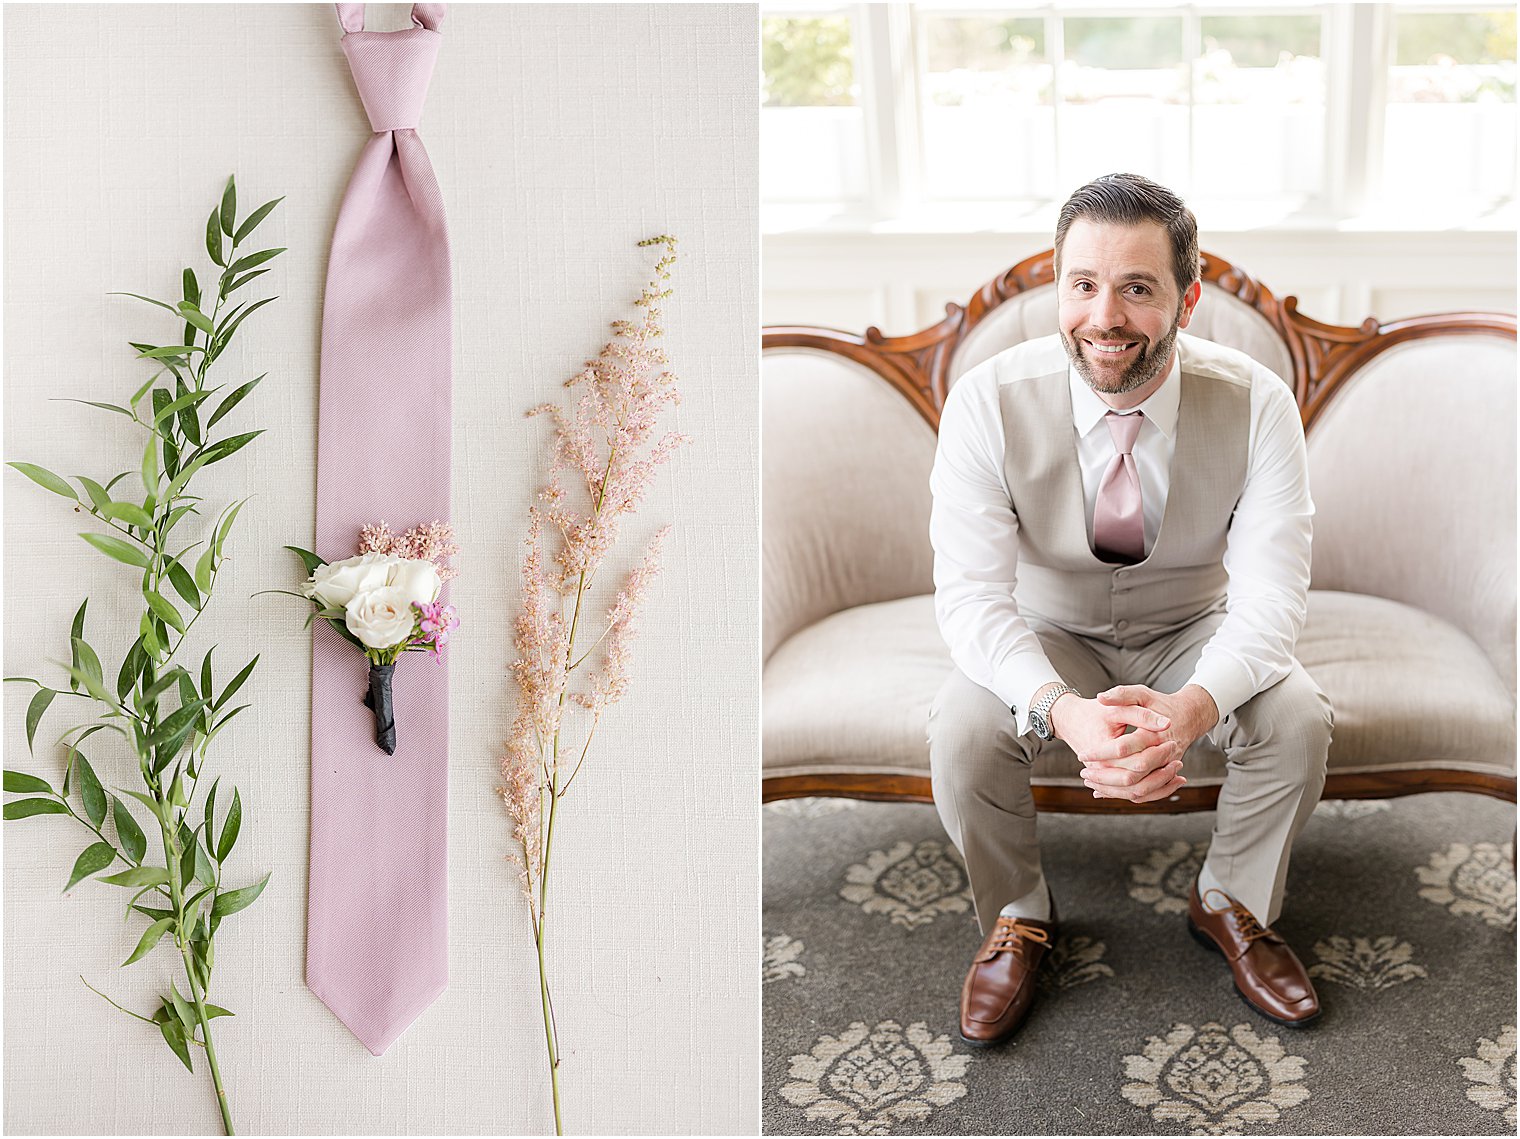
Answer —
522 792
603 439
431 542
604 458
542 641
610 681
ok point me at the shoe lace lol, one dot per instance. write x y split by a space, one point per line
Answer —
1245 921
1010 931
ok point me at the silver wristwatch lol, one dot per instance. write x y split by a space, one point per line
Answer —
1039 715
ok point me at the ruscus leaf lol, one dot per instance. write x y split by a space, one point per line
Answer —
133 842
89 663
232 401
203 569
253 260
26 808
234 685
120 549
91 793
139 876
252 221
20 783
234 286
230 828
93 859
46 479
34 712
164 610
229 207
214 236
171 733
150 938
234 900
174 1035
184 585
128 512
224 447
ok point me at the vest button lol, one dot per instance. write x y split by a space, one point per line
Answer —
1121 624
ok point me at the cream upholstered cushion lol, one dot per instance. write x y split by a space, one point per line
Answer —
1412 469
846 491
1220 317
851 694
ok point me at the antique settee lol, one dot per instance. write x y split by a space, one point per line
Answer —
1411 624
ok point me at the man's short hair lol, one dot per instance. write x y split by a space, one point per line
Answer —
1128 199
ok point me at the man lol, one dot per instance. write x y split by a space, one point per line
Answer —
1121 532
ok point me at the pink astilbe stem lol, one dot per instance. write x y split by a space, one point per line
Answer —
606 453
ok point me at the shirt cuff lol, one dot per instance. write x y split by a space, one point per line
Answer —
1228 681
1017 684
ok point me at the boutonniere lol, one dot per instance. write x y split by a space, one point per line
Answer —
385 601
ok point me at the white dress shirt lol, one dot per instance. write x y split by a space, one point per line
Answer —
974 529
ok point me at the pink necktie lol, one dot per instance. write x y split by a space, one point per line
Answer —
377 904
1118 520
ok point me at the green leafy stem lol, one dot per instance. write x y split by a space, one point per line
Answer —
183 898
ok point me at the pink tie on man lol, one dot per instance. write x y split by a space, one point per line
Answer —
377 904
1118 519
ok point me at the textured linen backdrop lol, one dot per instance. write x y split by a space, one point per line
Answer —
561 135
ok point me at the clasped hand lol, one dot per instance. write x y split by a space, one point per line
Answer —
1131 739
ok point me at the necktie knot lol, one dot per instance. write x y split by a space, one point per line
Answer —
392 71
1124 430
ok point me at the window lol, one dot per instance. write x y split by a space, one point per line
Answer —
988 99
812 127
958 112
1450 128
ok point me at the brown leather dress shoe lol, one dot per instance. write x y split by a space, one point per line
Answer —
1000 986
1268 974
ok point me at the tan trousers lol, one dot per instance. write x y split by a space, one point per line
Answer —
1275 746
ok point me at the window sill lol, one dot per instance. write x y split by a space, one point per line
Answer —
1020 219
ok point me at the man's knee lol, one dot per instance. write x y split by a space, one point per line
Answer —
971 731
1296 718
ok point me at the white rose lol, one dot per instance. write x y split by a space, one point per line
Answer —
418 578
334 585
381 618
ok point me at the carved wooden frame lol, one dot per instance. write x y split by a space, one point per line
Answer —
1324 357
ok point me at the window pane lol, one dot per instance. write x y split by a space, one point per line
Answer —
812 128
987 106
1450 131
1124 86
1259 108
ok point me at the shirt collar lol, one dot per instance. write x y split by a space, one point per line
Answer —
1087 410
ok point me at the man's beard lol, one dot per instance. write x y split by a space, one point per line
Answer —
1147 366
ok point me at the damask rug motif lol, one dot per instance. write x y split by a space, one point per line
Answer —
1404 914
1214 1080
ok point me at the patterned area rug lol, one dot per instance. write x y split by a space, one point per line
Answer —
1404 911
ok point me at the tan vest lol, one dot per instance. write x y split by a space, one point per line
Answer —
1061 580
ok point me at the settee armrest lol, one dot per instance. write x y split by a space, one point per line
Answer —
1412 469
845 490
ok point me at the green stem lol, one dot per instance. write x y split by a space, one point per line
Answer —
172 854
200 1012
113 1004
550 1035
